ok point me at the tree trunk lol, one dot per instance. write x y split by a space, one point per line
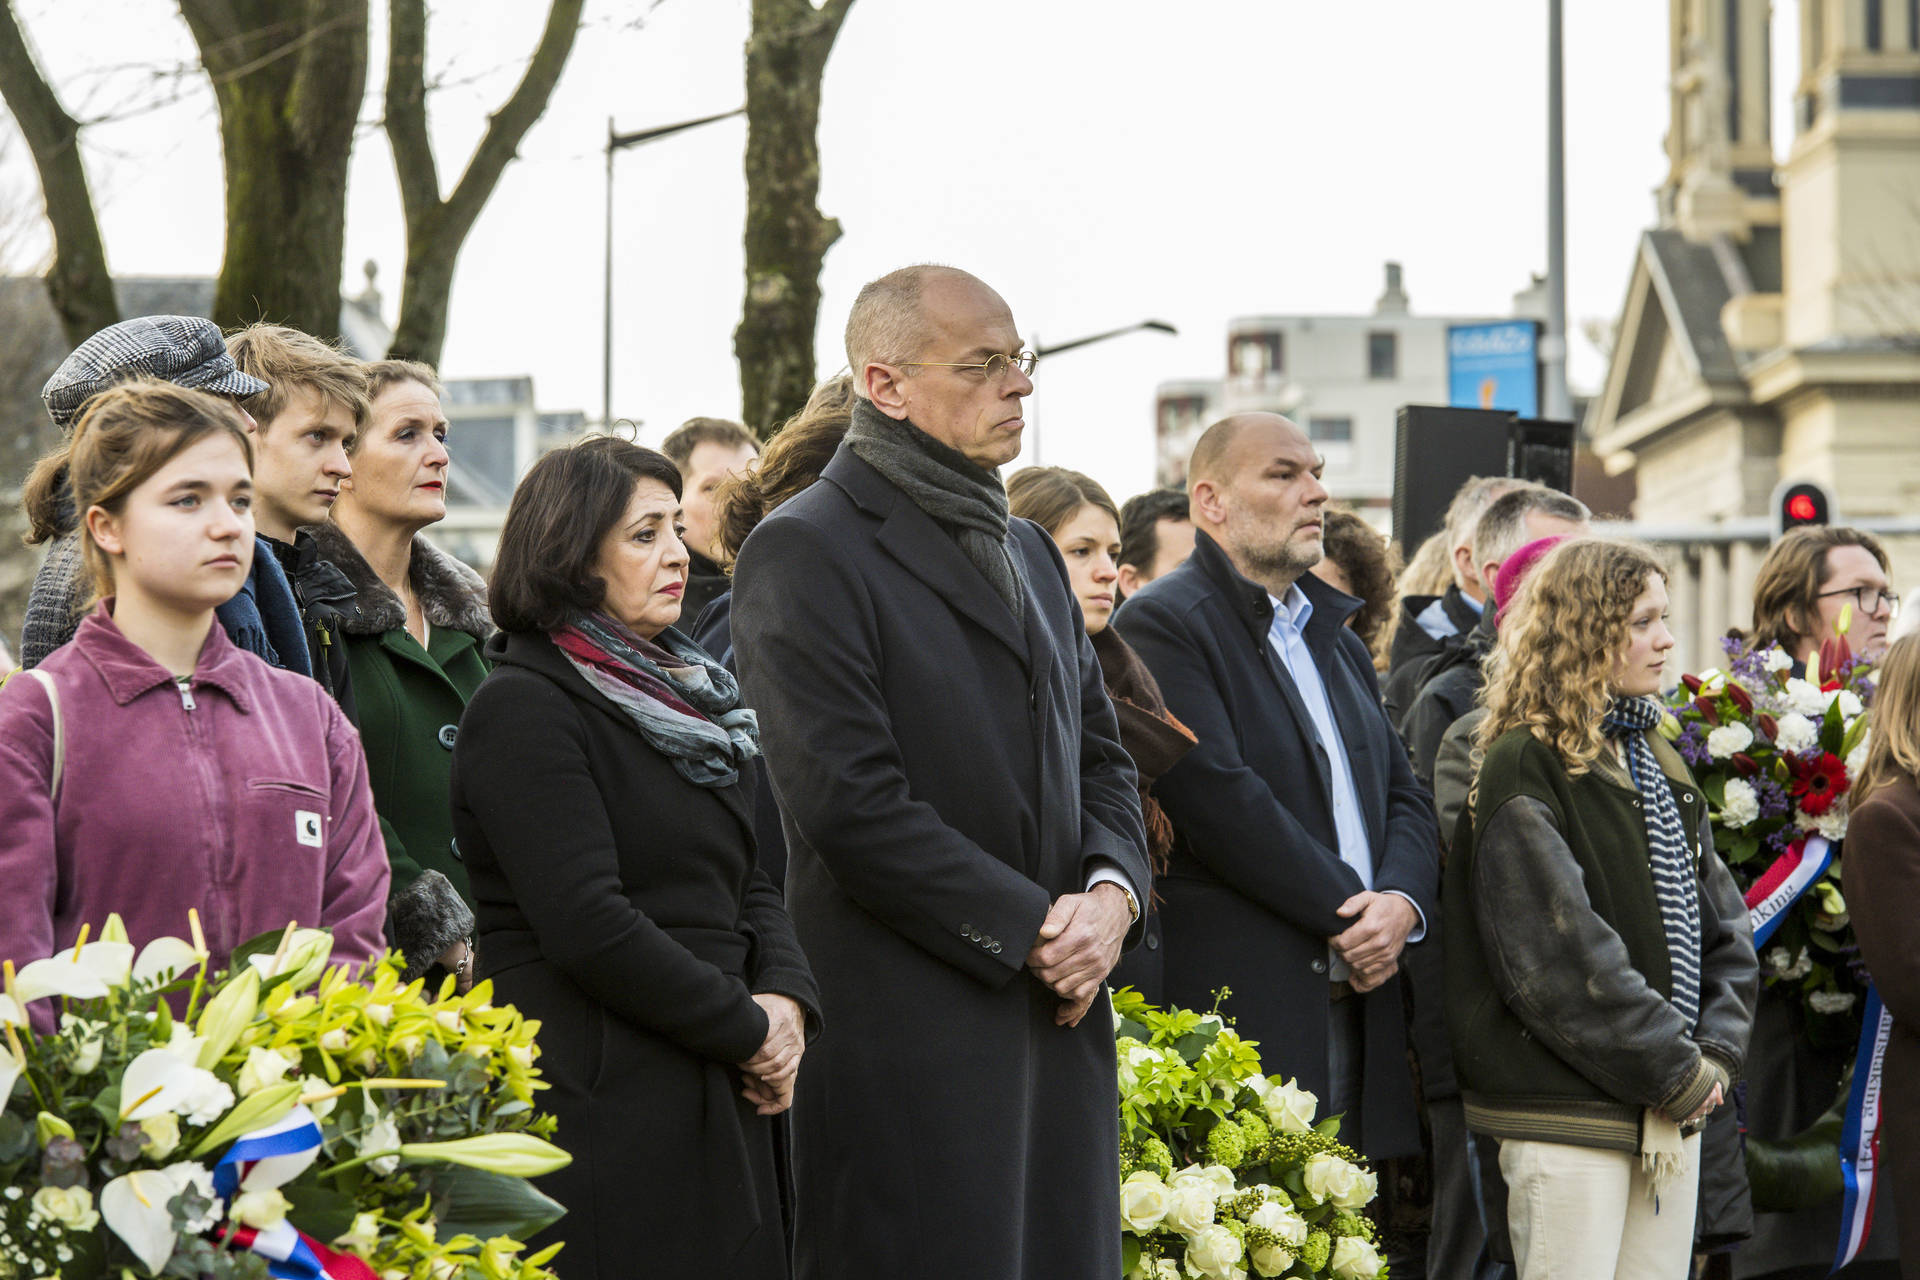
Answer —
436 228
786 235
289 78
81 288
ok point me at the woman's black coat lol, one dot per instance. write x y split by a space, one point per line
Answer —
1249 901
619 903
945 774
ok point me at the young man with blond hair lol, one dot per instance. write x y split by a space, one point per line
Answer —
306 425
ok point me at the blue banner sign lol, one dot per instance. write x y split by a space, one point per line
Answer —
1495 366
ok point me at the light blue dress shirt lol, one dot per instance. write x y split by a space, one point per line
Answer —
1287 635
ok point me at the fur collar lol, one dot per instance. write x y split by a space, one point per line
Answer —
451 594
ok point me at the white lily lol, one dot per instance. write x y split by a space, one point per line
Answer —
135 1206
13 1013
164 959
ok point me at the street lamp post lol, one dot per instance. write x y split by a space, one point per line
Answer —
620 142
1155 326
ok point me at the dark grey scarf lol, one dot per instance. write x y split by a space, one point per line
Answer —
964 498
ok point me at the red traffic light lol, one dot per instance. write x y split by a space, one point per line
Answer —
1799 503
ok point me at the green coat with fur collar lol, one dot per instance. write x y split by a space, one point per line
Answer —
409 701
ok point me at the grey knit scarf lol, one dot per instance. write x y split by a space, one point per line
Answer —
1671 855
964 498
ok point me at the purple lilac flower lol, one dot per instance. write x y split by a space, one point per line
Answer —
1864 689
1692 743
1748 665
1773 798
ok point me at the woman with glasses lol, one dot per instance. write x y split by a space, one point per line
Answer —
1809 578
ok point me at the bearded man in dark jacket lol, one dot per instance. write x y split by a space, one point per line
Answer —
1305 858
966 853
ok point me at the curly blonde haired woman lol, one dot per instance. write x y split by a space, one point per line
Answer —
1600 969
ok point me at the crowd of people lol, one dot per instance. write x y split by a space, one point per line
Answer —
813 797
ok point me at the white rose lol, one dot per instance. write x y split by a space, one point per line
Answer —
1778 659
1282 1221
1260 1086
1366 1184
264 1067
1189 1206
1728 739
1795 732
1270 1260
1290 1109
1166 1269
1214 1252
1143 1202
1741 803
1355 1259
71 1207
1216 1178
261 1210
1805 697
1329 1178
163 1135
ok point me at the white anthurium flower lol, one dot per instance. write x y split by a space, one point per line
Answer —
164 959
81 977
159 1080
10 1069
135 1206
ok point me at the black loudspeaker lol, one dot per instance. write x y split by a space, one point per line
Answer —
1437 449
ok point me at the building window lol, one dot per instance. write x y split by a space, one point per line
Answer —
1331 430
1255 355
1383 355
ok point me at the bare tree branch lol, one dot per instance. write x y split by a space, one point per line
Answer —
436 228
78 281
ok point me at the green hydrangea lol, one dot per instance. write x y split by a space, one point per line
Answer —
1154 1155
1347 1223
1227 1144
1315 1252
1257 1132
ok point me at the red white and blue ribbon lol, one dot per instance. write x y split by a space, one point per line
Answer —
270 1156
1784 883
1860 1138
293 1256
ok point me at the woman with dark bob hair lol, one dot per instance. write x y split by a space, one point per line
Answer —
602 802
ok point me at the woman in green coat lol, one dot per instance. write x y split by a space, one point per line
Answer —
413 637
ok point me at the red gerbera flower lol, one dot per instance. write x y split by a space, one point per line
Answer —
1816 786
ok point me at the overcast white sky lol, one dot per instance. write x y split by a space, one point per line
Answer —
1099 161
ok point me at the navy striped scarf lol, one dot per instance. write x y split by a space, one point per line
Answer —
1670 852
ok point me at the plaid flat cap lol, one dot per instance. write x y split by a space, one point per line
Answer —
185 350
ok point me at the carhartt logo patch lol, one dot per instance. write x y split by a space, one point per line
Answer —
306 828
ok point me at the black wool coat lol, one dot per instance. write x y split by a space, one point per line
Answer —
1256 877
944 774
620 904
